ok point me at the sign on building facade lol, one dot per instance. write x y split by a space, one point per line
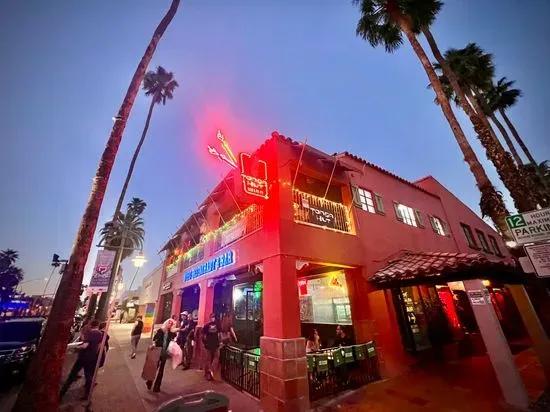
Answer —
530 227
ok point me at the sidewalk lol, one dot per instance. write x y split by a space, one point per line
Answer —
175 382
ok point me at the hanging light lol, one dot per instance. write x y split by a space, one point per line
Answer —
139 260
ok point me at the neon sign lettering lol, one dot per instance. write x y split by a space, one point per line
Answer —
212 265
253 173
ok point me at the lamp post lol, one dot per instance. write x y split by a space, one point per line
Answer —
139 260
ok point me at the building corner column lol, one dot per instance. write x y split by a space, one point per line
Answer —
509 379
284 383
534 327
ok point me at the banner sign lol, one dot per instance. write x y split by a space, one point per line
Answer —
102 271
319 215
539 255
148 318
212 265
233 233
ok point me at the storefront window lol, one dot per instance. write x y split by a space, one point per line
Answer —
247 301
325 299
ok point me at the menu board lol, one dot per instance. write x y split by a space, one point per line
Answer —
306 309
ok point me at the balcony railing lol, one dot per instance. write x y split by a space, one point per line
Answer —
244 223
316 211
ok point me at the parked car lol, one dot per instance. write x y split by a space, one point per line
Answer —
19 338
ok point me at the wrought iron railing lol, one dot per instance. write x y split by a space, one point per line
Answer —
241 369
194 255
334 370
242 224
316 211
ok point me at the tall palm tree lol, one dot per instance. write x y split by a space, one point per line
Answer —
501 96
470 72
160 85
9 256
383 22
127 229
40 391
10 275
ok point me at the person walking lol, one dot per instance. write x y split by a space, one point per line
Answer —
185 339
121 316
162 338
136 335
86 359
102 327
211 342
227 333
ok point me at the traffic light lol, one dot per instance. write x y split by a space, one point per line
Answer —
55 260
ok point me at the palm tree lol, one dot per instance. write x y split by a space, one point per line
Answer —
41 386
9 256
128 229
501 96
470 72
160 85
383 22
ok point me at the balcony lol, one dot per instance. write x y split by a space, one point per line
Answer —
316 211
242 224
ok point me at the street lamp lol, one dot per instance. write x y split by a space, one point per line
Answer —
139 260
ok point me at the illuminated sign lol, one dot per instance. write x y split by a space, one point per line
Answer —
254 175
253 172
217 263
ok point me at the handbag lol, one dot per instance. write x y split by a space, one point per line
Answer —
151 363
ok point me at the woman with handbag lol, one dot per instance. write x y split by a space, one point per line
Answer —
158 352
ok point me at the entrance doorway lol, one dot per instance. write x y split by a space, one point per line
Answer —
166 307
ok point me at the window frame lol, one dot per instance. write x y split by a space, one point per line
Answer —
494 245
436 219
483 241
366 194
467 230
405 219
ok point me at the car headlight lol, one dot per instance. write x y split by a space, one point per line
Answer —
24 350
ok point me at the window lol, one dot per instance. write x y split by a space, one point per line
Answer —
483 241
365 200
379 204
405 214
438 226
494 245
469 236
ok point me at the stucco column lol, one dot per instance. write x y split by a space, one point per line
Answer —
386 334
206 302
498 350
358 290
533 325
283 367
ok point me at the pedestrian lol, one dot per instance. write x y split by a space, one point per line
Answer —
185 338
162 338
102 327
211 342
121 316
85 328
342 338
136 335
86 359
227 333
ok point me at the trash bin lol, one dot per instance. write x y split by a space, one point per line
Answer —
198 402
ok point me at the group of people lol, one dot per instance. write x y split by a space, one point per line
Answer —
213 335
88 347
313 342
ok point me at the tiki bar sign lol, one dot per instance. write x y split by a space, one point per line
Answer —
253 171
212 265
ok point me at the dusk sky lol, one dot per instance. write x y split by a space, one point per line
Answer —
247 67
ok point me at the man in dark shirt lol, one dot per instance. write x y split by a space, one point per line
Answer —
86 359
136 335
342 339
211 342
185 338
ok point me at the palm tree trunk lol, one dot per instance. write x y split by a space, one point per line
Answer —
517 137
507 139
40 391
491 202
520 188
134 159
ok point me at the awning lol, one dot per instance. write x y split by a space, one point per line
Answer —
414 268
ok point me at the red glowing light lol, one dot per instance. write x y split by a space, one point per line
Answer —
254 174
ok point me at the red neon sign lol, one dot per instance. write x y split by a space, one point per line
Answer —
253 172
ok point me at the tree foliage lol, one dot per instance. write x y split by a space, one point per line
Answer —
10 275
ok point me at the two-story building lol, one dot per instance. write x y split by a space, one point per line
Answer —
305 240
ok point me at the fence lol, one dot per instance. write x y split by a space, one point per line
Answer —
316 211
246 222
335 370
241 369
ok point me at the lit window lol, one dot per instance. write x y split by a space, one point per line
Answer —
469 236
365 199
437 225
483 241
494 245
405 214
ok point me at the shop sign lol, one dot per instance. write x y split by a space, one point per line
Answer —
321 216
102 271
166 286
233 233
477 297
539 255
217 263
530 227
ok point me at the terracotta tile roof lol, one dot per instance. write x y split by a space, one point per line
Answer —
411 265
